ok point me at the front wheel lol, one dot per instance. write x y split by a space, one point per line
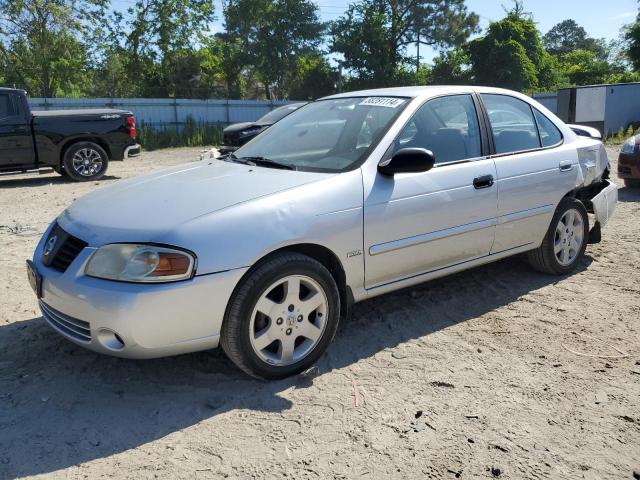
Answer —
565 241
85 161
282 317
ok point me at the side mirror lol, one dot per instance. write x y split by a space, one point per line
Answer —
408 160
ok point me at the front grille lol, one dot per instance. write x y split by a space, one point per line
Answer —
68 326
61 249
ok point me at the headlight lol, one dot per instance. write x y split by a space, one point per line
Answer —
140 263
629 146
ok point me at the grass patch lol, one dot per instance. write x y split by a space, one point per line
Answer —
191 134
621 136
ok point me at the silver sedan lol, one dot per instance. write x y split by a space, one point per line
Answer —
352 196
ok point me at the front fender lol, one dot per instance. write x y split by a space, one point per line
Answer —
326 213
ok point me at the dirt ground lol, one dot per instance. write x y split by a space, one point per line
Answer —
495 372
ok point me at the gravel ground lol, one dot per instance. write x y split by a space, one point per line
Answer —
495 372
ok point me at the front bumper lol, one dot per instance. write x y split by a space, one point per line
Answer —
134 320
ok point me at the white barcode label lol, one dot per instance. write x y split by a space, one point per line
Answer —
389 102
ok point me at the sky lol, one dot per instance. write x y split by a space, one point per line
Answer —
600 19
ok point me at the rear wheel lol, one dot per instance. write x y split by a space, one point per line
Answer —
85 161
565 241
282 317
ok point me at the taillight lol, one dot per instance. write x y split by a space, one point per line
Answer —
131 121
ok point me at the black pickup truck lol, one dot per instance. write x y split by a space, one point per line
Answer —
76 143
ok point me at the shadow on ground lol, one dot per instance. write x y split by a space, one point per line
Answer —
38 180
61 405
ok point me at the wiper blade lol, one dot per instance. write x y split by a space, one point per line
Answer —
264 162
230 157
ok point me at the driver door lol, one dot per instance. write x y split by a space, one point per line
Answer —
420 222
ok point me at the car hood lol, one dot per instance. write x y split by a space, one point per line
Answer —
238 127
143 209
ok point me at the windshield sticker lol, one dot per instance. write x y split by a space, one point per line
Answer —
389 102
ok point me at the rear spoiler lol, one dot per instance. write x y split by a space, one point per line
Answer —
585 131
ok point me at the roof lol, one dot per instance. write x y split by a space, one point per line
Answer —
419 91
9 89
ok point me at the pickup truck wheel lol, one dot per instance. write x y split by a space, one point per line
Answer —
565 241
85 161
281 317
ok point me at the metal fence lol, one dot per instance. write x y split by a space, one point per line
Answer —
160 112
549 100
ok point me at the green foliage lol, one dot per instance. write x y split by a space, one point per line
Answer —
452 68
273 34
373 35
567 36
275 49
192 134
312 77
632 37
42 44
511 55
583 67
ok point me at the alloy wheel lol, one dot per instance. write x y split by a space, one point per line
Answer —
288 320
87 162
569 237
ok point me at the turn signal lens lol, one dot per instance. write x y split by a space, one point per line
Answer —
171 264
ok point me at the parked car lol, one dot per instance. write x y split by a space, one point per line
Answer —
349 197
237 134
629 162
76 143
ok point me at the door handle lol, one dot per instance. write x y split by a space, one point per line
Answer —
565 166
484 181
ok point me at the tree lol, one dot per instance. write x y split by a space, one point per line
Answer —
43 43
374 34
155 49
312 78
632 36
511 55
583 67
567 36
452 68
272 35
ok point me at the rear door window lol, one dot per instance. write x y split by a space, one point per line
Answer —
512 123
549 133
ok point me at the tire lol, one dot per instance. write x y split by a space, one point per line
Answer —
85 161
632 183
571 239
265 345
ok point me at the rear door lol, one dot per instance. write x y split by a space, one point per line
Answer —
535 170
420 222
16 142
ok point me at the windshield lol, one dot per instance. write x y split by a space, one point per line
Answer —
327 135
279 113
